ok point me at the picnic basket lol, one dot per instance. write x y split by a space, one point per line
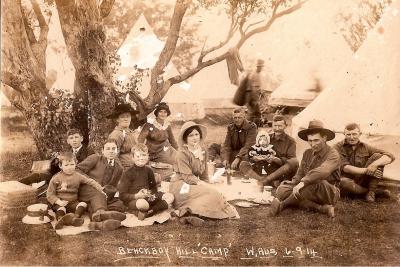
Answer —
14 194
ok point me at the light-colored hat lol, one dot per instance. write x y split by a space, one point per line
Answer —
260 62
261 133
186 126
37 214
316 126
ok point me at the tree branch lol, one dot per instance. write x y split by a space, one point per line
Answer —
231 32
44 28
105 7
13 96
172 39
12 80
253 24
169 48
28 28
274 16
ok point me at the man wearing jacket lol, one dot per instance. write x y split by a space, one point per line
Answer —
362 165
314 187
240 136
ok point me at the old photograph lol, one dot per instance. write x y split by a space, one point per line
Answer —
200 132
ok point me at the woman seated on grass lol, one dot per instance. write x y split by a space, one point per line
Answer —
194 199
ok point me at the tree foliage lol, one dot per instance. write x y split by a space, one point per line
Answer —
84 25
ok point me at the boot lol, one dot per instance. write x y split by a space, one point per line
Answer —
102 215
276 175
141 215
324 209
107 225
385 193
370 197
276 207
65 220
192 220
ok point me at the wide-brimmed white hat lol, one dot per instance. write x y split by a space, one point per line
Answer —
188 125
37 214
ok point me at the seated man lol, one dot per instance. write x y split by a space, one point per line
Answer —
241 135
284 164
107 171
314 185
362 165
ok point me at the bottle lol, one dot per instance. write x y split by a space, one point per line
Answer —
228 176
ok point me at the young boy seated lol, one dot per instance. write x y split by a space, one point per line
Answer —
79 150
62 192
138 188
107 171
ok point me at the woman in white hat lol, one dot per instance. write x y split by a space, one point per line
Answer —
192 198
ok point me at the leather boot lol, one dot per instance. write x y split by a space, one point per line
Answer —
192 220
324 209
67 219
107 225
102 215
279 173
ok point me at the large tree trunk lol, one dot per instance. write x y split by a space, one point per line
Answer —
24 74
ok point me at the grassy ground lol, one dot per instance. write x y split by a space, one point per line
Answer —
361 233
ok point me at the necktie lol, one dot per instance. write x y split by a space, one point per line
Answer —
111 162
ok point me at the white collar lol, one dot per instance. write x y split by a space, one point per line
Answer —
197 152
75 150
111 162
160 126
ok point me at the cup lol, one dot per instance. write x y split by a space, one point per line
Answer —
267 190
210 169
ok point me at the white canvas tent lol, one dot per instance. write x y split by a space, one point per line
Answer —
59 67
367 92
212 86
308 56
142 48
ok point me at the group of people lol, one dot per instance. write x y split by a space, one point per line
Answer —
350 167
121 178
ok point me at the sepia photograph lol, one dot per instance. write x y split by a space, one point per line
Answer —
200 133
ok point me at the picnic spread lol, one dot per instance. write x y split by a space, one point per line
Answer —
242 192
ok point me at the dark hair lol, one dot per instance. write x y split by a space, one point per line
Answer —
279 118
110 140
66 156
73 131
352 126
189 130
162 106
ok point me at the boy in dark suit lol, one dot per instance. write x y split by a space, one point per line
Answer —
107 171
